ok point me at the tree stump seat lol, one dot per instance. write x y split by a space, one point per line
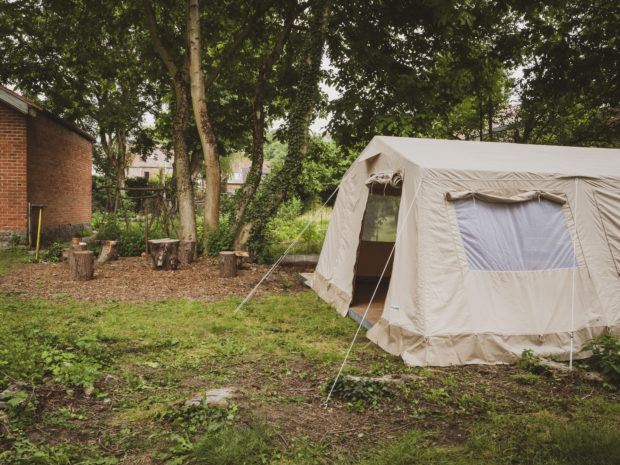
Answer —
109 251
228 264
164 253
83 265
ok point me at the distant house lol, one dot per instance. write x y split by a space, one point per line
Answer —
240 169
44 162
149 167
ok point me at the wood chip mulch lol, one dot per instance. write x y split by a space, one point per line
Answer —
132 280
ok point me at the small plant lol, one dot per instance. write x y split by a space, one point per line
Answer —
196 418
357 393
15 240
530 362
605 355
53 254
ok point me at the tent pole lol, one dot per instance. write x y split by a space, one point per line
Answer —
359 327
572 300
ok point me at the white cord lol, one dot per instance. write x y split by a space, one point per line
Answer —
572 300
275 265
371 298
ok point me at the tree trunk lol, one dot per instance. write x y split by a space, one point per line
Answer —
185 190
180 79
480 117
267 201
187 251
203 122
490 118
244 196
164 253
228 265
83 265
109 251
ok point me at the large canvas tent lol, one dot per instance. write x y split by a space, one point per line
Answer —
486 249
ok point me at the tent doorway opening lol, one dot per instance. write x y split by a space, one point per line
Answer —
377 238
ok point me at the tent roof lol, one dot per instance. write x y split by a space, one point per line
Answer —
498 156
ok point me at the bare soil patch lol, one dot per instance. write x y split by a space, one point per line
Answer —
132 280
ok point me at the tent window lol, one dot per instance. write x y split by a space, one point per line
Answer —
381 218
524 236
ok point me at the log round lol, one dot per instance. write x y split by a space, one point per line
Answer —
109 251
75 248
83 265
187 251
228 264
164 254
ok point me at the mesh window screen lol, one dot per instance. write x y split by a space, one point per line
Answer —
381 218
525 236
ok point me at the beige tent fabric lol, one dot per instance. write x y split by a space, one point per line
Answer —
437 310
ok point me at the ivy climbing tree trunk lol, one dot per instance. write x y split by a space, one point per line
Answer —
201 115
268 199
179 76
245 194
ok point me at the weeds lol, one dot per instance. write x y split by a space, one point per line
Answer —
358 393
605 355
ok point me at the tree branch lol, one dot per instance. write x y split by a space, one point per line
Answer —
158 45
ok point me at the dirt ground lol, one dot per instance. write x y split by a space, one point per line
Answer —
132 280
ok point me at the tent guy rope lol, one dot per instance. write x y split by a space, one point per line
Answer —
292 244
359 327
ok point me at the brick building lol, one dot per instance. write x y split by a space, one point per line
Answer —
43 161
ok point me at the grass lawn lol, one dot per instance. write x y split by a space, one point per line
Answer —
109 381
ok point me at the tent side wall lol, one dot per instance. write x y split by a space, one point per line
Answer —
450 314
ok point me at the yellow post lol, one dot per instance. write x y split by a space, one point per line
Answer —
36 257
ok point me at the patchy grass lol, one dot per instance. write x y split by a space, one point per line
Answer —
13 258
109 381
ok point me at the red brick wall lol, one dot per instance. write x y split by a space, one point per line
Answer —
13 197
59 174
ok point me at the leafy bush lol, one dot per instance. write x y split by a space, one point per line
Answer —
109 229
219 239
131 242
605 355
53 254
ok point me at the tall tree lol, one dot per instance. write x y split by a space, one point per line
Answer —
177 66
281 182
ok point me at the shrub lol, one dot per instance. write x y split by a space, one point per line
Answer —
605 355
53 253
219 239
131 242
109 229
